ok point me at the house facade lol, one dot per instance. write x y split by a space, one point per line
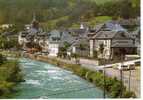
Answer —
111 41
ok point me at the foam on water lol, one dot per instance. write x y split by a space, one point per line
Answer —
33 82
44 81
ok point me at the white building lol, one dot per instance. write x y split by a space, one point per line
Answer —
53 49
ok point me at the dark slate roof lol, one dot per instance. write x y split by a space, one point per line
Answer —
55 33
112 35
80 32
33 30
113 25
77 42
66 37
105 34
29 38
23 33
98 27
123 45
110 26
60 36
108 30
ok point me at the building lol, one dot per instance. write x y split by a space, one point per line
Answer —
6 26
79 47
30 35
110 40
136 34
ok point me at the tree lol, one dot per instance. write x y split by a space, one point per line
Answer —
2 59
62 52
3 42
126 9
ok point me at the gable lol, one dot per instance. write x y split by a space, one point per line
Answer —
122 35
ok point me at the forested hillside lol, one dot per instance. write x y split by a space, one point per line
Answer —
65 13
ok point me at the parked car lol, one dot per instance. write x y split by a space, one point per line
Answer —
138 63
132 66
126 66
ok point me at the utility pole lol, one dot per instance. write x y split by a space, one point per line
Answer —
121 73
103 58
104 83
104 61
129 79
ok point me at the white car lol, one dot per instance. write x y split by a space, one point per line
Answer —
126 66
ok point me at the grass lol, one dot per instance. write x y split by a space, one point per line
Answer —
10 76
93 21
97 20
10 53
102 1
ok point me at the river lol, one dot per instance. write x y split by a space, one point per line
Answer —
45 81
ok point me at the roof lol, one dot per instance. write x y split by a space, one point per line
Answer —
112 35
129 45
55 33
113 25
105 34
109 30
76 43
80 32
60 36
33 30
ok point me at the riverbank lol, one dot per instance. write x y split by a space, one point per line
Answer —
113 86
10 74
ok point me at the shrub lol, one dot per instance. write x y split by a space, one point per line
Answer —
2 59
128 94
6 87
10 75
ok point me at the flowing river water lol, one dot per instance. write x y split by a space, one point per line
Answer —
44 80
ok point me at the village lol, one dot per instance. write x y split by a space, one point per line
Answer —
70 49
109 46
109 40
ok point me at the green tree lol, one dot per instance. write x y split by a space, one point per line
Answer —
2 59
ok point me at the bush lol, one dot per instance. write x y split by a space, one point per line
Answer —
129 94
6 87
115 90
10 75
2 59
